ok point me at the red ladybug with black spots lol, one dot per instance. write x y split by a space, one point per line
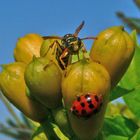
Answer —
86 105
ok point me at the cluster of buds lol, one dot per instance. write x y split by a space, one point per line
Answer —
75 94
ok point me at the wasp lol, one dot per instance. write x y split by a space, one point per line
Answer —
70 45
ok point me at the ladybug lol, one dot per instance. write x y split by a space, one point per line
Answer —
86 105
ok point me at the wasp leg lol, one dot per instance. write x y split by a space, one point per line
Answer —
51 46
84 52
78 56
70 59
47 65
63 55
84 49
55 45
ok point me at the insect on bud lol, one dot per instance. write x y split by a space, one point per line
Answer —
85 89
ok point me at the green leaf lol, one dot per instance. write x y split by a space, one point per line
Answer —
137 135
119 92
4 130
38 131
133 101
133 23
11 123
131 78
133 34
26 121
59 133
120 126
115 137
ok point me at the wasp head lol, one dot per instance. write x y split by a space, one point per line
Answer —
72 42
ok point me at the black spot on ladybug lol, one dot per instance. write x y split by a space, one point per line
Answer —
83 112
74 108
78 99
89 100
87 95
96 98
82 104
91 106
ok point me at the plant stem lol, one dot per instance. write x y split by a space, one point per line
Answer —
49 128
100 136
10 109
49 132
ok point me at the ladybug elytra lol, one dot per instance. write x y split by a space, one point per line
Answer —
86 105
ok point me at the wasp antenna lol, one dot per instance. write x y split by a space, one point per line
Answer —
52 37
89 38
79 28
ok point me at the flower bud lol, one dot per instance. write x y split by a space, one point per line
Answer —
26 47
14 88
114 49
85 78
43 78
